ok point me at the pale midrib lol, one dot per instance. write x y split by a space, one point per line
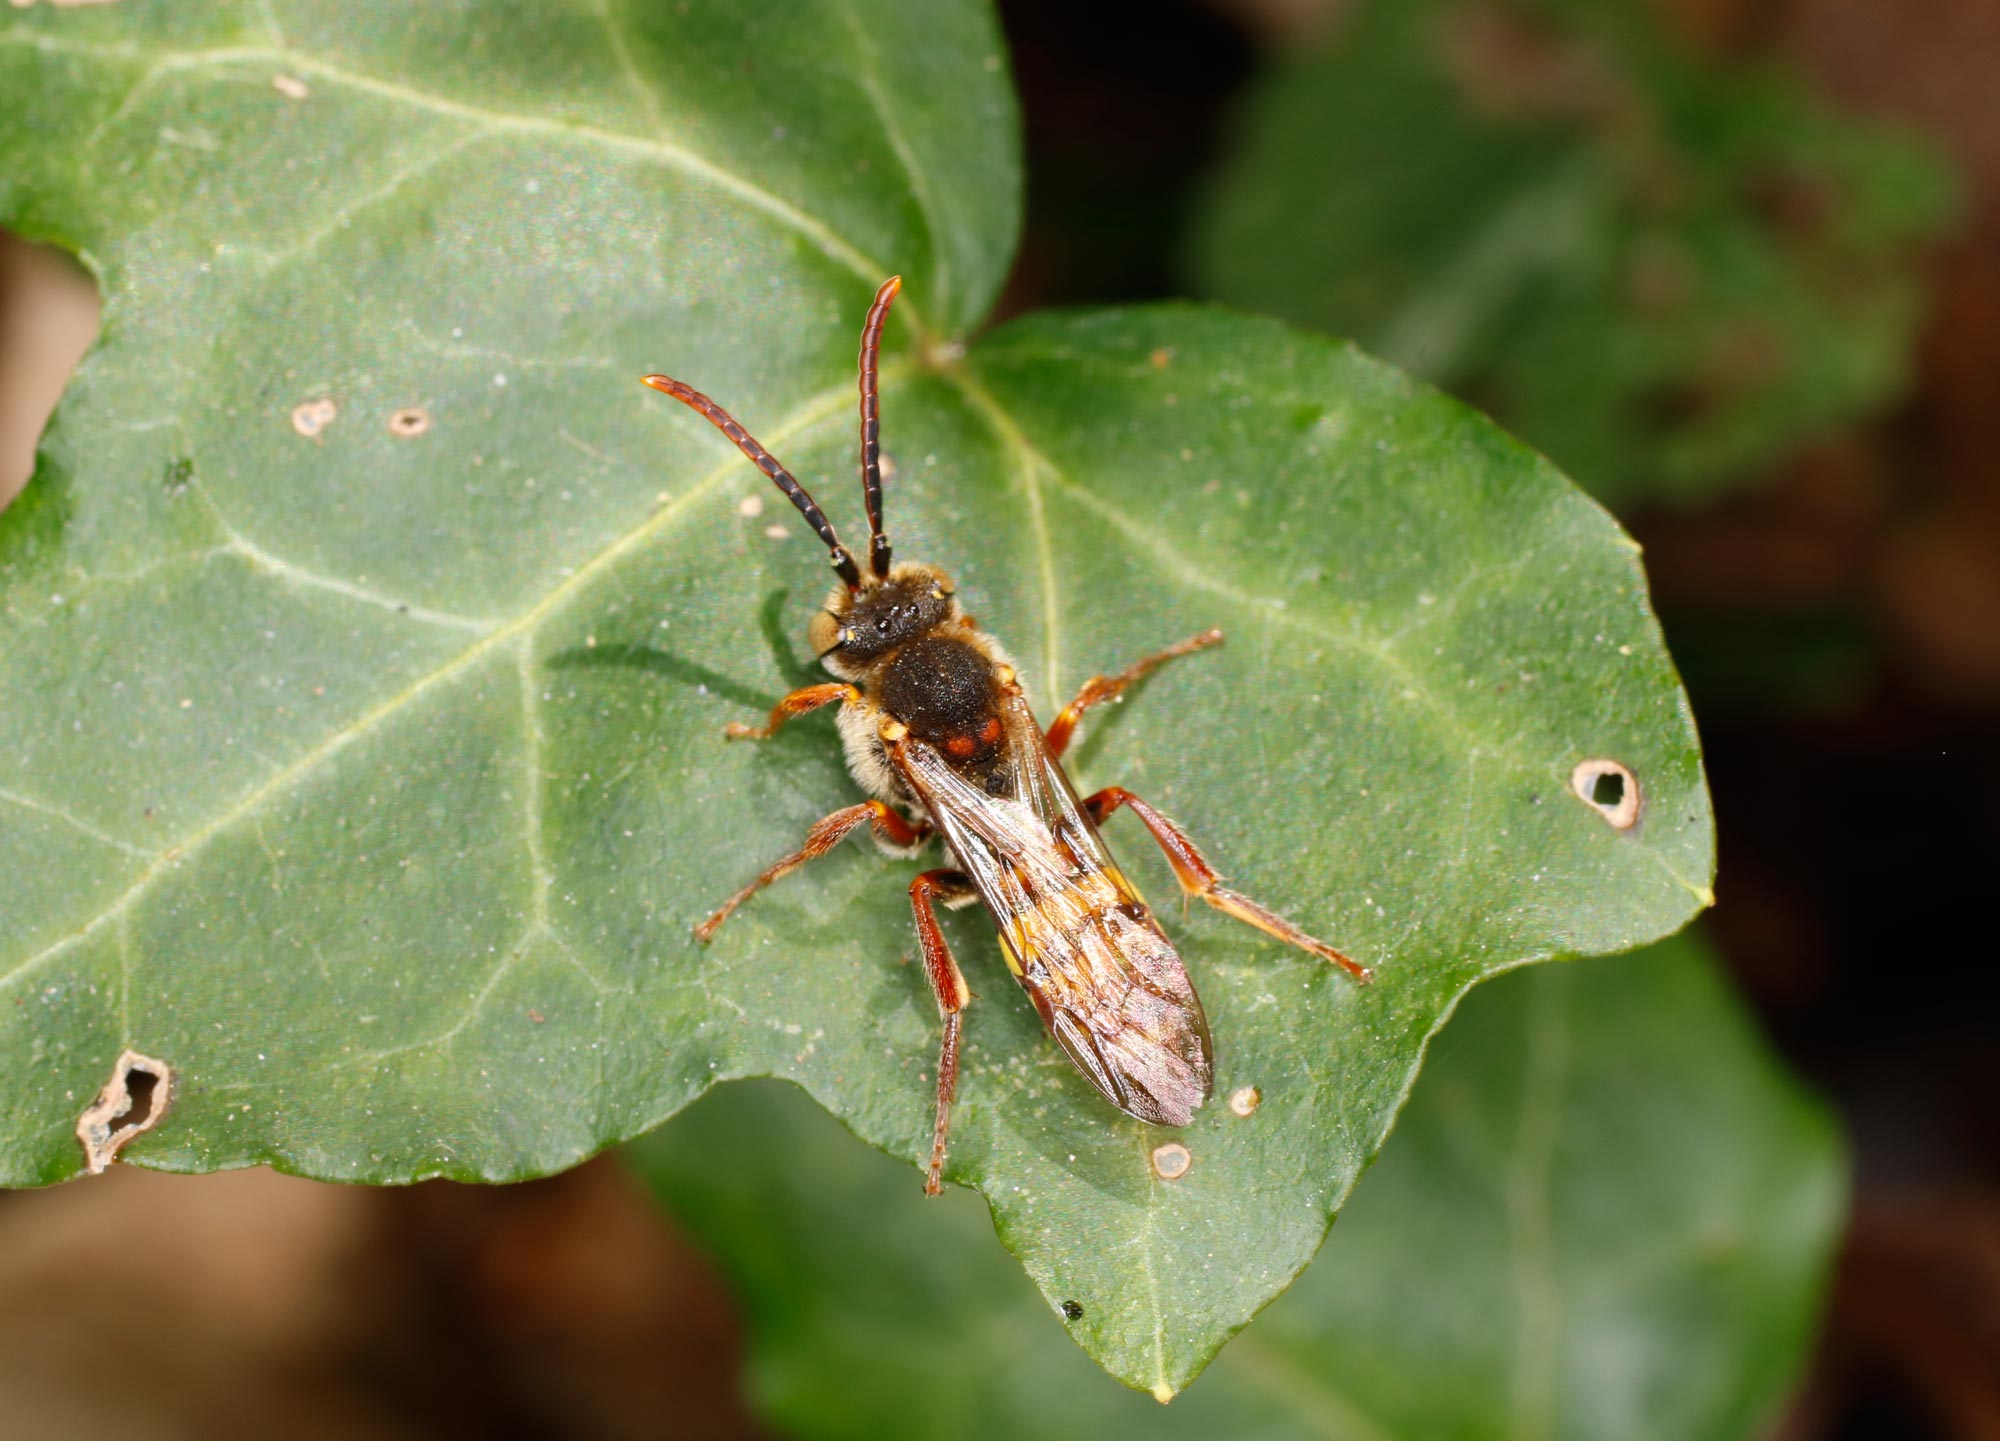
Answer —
826 403
658 149
1163 1386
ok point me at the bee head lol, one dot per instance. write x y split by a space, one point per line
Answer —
862 625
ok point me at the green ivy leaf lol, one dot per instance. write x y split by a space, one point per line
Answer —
370 633
1605 1212
1666 273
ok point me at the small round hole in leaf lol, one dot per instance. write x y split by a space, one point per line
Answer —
409 422
1609 789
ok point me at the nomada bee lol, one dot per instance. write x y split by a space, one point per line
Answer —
938 731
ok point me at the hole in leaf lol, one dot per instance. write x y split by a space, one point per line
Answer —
48 318
409 422
1609 789
132 1102
141 1087
1171 1161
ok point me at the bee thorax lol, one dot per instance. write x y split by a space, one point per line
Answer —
943 690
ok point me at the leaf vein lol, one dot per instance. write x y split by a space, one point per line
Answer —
306 243
270 17
75 823
259 559
1163 1388
622 53
866 69
1029 460
532 746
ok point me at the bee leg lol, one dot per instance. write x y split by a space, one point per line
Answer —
949 984
797 703
823 837
1101 688
1199 879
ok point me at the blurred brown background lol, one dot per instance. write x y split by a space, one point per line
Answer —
1860 836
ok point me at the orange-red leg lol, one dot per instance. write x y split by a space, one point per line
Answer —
949 984
823 837
1101 688
810 698
1199 879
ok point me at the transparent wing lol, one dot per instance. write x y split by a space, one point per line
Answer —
1103 976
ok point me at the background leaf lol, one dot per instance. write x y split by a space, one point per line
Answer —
1605 1212
370 773
1664 273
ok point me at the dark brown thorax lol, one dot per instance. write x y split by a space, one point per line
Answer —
943 689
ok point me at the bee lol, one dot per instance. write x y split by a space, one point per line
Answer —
938 732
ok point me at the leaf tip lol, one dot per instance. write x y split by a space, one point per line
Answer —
1163 1393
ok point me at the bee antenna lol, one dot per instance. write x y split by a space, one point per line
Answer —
766 462
871 424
